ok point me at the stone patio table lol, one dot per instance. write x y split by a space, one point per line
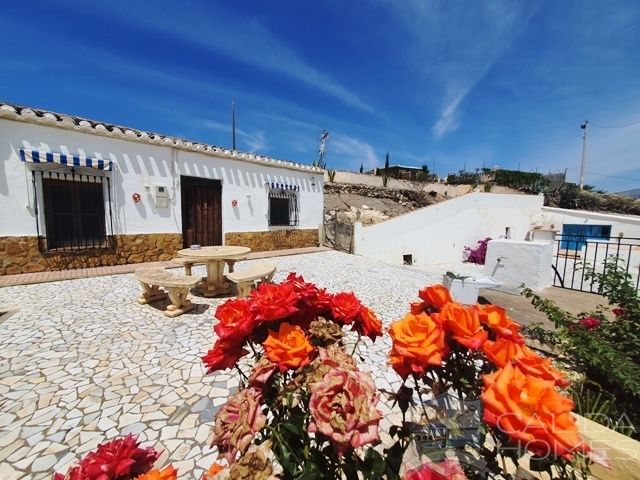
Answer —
216 258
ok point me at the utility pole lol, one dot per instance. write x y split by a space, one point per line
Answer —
233 123
585 127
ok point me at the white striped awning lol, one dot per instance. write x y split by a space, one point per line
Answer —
283 186
37 156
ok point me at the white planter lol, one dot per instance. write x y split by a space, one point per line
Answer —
465 290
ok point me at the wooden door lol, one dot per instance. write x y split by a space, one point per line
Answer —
201 211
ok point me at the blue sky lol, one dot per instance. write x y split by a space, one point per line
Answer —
441 83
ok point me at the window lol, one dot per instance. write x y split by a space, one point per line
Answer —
73 206
283 206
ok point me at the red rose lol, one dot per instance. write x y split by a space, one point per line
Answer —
345 307
223 355
236 319
273 302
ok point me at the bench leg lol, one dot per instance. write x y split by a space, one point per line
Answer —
231 264
187 270
179 302
152 293
244 289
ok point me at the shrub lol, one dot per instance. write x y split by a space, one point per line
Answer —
479 254
608 349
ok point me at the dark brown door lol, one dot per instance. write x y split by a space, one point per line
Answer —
201 211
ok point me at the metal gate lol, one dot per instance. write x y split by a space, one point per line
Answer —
338 231
575 254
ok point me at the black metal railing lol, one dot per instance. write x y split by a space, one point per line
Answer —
576 255
74 211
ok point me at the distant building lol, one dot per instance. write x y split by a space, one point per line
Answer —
402 172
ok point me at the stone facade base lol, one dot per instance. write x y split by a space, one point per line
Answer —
273 240
21 254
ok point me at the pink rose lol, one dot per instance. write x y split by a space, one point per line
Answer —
448 469
261 373
619 312
342 408
590 323
237 423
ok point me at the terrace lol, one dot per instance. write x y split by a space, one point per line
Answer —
83 362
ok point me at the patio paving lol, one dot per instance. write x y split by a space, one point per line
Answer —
83 362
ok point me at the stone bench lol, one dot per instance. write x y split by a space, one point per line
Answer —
187 263
154 279
245 279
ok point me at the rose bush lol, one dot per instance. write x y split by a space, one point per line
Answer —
474 356
304 409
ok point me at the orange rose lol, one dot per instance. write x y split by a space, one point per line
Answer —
464 324
531 413
503 351
418 342
538 367
214 469
433 298
367 324
168 473
289 347
497 320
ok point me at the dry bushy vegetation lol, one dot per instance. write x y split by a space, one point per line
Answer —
571 197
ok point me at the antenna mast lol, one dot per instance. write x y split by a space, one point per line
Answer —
324 138
233 124
585 127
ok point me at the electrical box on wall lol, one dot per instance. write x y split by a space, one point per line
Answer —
162 197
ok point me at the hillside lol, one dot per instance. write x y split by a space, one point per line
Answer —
377 204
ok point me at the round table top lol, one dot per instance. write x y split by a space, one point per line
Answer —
219 251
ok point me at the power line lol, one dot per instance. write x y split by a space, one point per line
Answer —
609 176
616 126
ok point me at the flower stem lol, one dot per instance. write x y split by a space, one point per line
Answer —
241 372
356 345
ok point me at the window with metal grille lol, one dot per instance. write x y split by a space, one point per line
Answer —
283 207
73 207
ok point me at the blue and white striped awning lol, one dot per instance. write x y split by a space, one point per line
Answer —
284 186
36 156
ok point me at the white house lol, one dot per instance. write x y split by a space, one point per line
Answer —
80 193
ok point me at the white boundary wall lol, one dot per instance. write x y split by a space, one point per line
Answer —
629 226
137 165
439 233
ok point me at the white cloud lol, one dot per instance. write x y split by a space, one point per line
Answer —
224 32
354 153
455 44
450 119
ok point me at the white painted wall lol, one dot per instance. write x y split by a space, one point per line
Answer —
515 262
137 165
439 233
628 225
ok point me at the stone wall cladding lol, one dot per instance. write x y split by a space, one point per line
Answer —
21 255
273 240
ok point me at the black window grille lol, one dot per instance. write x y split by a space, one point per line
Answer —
283 207
73 207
